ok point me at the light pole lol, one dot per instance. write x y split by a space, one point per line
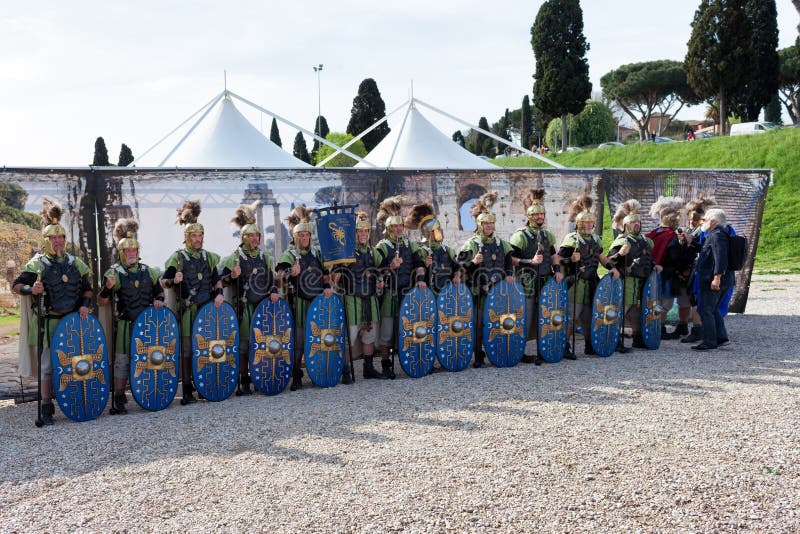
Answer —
318 70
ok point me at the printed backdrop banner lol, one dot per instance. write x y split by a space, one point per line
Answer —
95 198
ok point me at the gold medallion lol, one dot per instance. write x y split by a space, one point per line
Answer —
135 283
255 271
199 276
64 278
494 257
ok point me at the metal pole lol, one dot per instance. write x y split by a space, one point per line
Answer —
318 70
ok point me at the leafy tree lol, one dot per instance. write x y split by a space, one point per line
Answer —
526 126
762 82
789 86
719 58
639 89
100 153
458 137
321 129
561 83
300 150
593 125
772 113
368 108
341 160
125 156
274 134
13 195
13 215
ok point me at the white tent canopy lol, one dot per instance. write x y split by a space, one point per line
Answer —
223 137
418 144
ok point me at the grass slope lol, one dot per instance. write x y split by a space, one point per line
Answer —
779 243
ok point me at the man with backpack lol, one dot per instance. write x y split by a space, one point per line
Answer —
714 278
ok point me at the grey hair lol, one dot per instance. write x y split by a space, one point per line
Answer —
718 215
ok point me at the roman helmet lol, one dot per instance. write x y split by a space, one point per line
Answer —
534 204
627 214
481 209
422 218
667 210
299 221
245 219
125 236
695 209
362 221
390 213
187 216
580 212
51 214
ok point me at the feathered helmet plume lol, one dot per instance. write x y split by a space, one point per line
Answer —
534 202
481 209
627 212
696 208
580 211
51 215
299 221
667 210
245 219
187 216
422 217
125 237
390 212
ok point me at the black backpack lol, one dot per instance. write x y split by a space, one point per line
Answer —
737 252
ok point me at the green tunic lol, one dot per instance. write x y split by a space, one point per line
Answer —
176 260
356 307
520 239
390 304
301 305
122 340
36 266
583 287
231 261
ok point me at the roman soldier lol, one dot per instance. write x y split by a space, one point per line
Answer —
581 253
249 273
632 252
361 283
695 209
63 282
302 277
440 259
402 260
192 272
487 260
672 250
536 261
133 286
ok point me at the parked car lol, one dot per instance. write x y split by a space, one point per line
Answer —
610 143
747 128
703 135
661 140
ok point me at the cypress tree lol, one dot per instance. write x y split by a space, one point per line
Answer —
762 82
274 134
719 57
300 150
125 156
772 113
320 129
458 137
100 153
526 126
561 83
483 143
368 108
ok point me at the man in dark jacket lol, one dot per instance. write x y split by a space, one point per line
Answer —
714 280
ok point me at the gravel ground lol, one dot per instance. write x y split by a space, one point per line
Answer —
665 440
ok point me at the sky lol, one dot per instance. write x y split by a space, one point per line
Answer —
132 71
